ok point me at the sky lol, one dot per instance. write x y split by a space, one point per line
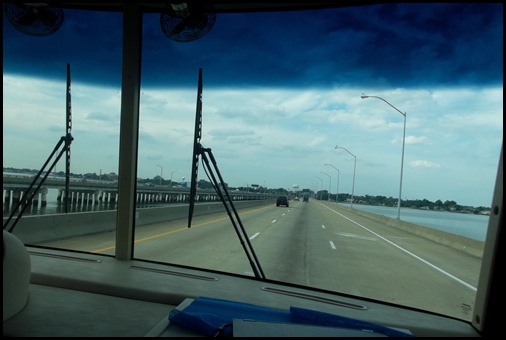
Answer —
280 92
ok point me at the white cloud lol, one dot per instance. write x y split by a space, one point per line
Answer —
273 136
424 164
415 139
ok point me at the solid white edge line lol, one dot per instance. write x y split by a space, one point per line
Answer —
406 251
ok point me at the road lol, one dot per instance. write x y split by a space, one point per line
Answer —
314 244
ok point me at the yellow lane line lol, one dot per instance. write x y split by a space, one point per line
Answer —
180 229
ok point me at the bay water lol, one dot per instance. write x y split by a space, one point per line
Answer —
469 225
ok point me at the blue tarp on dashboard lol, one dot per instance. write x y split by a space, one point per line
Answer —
214 317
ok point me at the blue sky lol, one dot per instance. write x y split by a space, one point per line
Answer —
280 92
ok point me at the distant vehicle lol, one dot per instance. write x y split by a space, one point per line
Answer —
282 200
296 198
305 198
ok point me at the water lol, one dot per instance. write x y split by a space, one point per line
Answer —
468 225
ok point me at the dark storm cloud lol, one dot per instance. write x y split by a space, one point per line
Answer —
393 45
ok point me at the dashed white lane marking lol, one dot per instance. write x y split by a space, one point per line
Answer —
332 245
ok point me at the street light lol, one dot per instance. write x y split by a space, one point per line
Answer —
315 182
321 186
354 169
330 181
363 96
161 173
337 187
171 173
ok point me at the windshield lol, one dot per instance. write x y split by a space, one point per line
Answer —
385 119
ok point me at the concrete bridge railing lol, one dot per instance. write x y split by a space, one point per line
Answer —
37 229
95 193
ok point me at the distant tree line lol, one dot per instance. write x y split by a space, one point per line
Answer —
424 204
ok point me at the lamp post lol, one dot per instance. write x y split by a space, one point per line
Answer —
321 186
354 170
337 186
363 96
171 173
330 181
315 182
161 173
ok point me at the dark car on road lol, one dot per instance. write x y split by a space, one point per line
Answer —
282 200
306 198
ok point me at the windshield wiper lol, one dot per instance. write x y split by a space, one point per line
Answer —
66 140
225 198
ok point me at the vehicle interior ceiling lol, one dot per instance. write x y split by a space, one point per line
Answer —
74 293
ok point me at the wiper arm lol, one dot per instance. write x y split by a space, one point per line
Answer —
236 221
30 192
